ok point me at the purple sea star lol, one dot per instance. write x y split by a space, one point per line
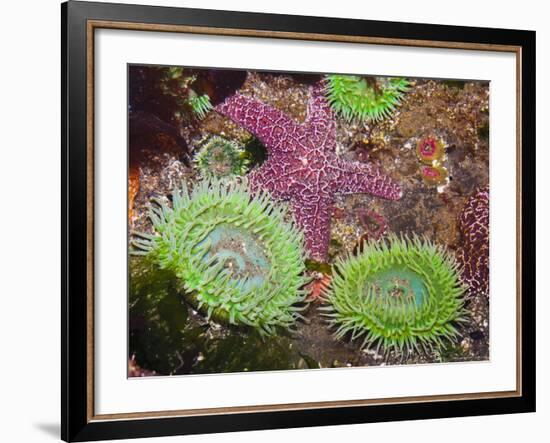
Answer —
474 254
302 165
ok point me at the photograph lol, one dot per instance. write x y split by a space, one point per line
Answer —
304 221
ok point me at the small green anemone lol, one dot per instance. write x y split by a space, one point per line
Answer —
239 260
401 294
357 98
200 104
218 157
180 83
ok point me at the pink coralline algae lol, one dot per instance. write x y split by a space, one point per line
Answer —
302 166
474 255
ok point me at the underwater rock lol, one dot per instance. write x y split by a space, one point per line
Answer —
144 124
157 317
238 259
224 83
135 371
402 294
251 352
302 165
357 98
133 189
181 83
474 254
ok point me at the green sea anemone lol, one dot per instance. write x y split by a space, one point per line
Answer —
358 98
401 294
183 84
218 157
239 261
200 104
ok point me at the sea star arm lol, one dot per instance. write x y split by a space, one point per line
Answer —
313 218
270 125
318 107
365 178
267 177
319 117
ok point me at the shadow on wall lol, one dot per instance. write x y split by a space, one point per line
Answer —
51 429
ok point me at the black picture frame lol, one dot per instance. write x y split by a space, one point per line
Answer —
76 422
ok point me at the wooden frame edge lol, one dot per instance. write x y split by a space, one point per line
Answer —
258 33
284 407
90 205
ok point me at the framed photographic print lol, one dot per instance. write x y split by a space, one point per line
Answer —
281 221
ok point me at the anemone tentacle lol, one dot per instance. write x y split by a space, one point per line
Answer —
200 104
239 260
400 294
219 158
356 98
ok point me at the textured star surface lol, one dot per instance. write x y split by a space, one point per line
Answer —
302 165
474 255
